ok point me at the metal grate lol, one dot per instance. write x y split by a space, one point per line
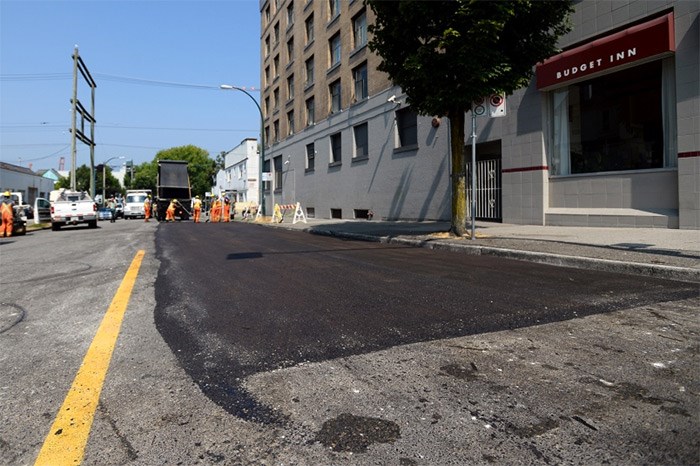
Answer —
488 190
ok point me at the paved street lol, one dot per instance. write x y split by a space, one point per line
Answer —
265 353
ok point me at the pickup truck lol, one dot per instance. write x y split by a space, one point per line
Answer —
72 208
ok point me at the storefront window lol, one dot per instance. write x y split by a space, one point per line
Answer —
619 121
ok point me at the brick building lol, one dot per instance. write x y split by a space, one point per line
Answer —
607 133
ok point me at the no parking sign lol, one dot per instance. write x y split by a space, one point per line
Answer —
495 105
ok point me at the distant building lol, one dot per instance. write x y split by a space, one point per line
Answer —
50 174
14 178
606 134
239 178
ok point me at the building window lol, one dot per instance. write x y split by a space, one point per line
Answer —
406 128
336 147
309 27
359 76
267 15
290 49
309 71
267 105
267 136
267 75
310 156
290 87
333 9
359 30
276 98
334 90
278 172
276 130
266 169
290 122
334 50
290 14
276 33
276 66
361 141
267 46
310 112
613 122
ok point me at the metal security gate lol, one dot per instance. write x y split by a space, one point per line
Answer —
488 190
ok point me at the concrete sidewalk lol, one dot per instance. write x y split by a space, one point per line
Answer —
664 253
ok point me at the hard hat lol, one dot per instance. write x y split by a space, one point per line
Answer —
7 193
196 197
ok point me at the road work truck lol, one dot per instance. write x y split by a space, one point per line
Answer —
173 184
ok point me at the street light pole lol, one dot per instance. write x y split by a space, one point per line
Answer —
104 174
262 141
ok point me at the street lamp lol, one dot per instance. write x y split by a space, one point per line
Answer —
262 140
104 180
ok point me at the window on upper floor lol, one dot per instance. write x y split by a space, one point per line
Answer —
290 49
276 66
276 32
310 111
333 9
267 75
290 87
267 105
290 14
309 28
406 128
267 15
335 97
267 46
310 157
276 98
359 76
360 132
334 50
290 122
359 30
276 131
309 71
336 148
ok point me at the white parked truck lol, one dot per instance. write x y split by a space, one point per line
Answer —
133 203
71 208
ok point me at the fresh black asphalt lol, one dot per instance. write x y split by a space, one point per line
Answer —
237 299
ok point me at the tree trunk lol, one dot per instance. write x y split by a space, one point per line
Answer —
459 174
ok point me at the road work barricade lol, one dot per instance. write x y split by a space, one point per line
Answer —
281 209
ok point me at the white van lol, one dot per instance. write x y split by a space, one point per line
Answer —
133 203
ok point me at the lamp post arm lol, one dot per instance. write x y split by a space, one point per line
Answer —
261 200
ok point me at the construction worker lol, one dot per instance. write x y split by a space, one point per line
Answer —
215 212
147 208
8 214
170 212
227 209
197 208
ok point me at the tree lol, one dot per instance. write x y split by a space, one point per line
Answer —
82 180
459 51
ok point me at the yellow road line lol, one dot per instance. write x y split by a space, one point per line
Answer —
65 443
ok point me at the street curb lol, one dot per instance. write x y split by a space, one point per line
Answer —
604 265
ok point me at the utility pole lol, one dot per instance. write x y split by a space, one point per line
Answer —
79 65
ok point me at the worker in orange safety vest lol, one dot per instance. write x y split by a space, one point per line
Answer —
215 212
170 212
197 208
227 209
147 208
8 214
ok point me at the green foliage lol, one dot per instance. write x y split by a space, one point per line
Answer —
461 50
82 181
446 54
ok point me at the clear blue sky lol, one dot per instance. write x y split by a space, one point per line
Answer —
134 49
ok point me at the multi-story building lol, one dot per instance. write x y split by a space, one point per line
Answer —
607 133
239 178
